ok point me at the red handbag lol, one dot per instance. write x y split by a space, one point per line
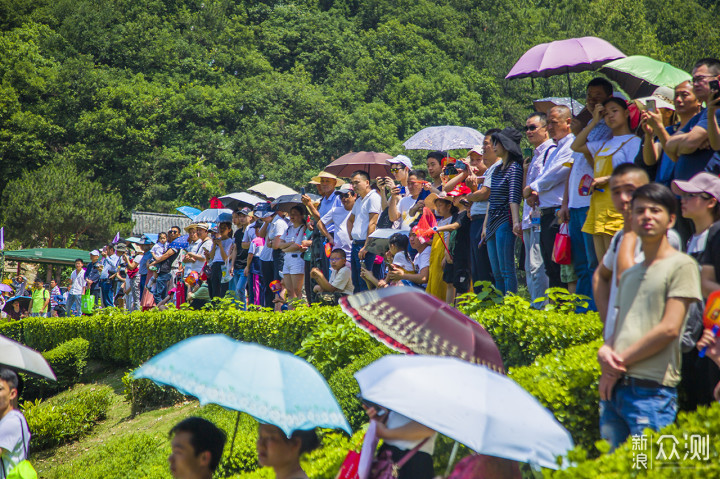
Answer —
561 250
349 469
479 466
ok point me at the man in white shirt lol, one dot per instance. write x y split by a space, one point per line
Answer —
400 167
14 431
400 205
361 223
537 280
575 207
77 288
547 190
337 217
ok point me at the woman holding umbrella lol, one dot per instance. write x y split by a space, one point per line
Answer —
603 220
501 221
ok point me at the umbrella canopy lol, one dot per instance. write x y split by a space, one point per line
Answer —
23 300
271 190
563 56
179 243
214 215
371 161
150 238
444 138
545 104
379 240
21 358
239 200
6 288
188 211
487 412
412 321
640 76
275 387
286 202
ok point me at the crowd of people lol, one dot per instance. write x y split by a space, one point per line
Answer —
633 189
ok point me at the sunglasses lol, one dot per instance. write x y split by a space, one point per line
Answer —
395 168
532 127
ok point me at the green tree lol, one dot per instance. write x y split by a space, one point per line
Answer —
57 205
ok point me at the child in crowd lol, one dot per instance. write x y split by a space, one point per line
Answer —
253 270
340 283
156 251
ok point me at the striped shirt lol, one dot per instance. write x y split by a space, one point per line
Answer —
506 188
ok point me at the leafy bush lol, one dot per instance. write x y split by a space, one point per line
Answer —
345 387
144 394
523 333
68 361
566 383
63 419
335 344
12 330
133 338
705 421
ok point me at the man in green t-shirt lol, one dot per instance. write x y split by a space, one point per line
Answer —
640 362
40 299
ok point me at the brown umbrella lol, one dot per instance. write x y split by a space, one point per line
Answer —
411 321
371 161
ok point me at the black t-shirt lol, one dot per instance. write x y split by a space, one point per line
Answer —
166 266
241 254
711 256
460 244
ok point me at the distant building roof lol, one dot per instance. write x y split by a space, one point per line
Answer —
147 222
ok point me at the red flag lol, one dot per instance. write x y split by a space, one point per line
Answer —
424 228
215 203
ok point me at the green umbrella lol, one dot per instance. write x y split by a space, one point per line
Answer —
639 76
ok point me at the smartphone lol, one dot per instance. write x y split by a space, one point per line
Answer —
402 190
715 87
651 105
302 190
460 165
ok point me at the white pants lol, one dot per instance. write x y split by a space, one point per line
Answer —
537 280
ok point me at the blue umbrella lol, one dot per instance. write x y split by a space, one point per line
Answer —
214 215
275 387
152 237
188 211
179 243
24 302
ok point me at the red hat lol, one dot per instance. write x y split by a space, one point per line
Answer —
460 190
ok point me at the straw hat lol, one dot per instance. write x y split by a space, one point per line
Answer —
325 174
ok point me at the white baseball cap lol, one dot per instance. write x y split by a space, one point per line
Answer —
402 160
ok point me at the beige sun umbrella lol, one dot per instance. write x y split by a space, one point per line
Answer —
21 358
271 189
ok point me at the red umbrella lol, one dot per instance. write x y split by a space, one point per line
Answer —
411 321
373 162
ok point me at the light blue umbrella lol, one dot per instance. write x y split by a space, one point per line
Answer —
214 215
188 211
444 138
275 387
152 237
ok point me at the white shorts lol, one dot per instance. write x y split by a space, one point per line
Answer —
294 264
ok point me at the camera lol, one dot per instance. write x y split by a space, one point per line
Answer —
450 170
715 88
460 165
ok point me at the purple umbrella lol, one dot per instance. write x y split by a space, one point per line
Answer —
4 287
564 56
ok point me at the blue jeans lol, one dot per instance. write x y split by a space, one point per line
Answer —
633 409
480 266
240 281
368 262
108 293
161 287
73 305
501 250
583 254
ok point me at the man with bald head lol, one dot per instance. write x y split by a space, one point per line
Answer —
548 188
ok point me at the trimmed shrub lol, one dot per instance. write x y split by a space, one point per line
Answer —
705 422
345 387
523 333
68 361
566 383
143 394
60 420
12 330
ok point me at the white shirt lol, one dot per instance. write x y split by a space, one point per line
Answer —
550 185
480 207
198 247
404 206
78 282
362 210
337 217
249 234
13 428
341 279
533 172
277 227
225 245
401 260
581 167
422 260
623 148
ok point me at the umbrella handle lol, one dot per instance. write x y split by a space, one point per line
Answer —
452 458
232 444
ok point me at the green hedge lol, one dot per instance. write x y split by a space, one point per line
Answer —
133 338
143 394
12 330
523 333
68 361
705 421
63 419
566 383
